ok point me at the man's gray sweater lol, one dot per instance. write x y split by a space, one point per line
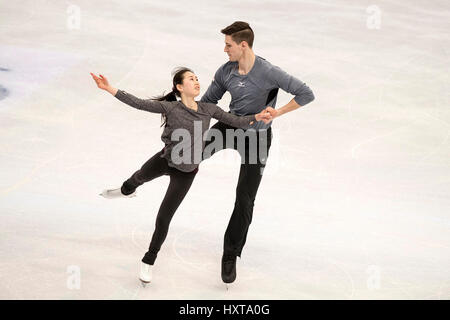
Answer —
249 92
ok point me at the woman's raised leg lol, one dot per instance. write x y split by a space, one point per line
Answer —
153 168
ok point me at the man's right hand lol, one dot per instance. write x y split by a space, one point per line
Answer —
263 116
272 111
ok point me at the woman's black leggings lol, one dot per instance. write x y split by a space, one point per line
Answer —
179 185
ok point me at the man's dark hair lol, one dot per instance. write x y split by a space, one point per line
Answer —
240 31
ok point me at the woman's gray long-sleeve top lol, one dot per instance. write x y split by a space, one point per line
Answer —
194 123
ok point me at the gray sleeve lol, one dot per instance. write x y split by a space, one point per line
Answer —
229 118
281 79
216 89
149 105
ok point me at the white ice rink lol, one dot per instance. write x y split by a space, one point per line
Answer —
355 200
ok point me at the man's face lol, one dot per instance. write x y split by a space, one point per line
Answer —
232 49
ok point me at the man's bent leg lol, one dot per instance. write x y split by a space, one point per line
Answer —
217 131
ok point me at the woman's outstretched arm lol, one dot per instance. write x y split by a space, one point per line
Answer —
238 121
149 105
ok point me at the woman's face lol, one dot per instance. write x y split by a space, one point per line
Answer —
190 86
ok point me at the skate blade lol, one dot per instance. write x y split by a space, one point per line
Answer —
104 196
144 283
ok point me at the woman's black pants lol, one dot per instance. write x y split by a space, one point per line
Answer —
179 185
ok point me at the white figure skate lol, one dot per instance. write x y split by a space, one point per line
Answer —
146 273
116 193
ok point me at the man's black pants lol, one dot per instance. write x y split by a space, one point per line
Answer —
250 176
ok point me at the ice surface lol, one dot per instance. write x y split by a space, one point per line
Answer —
355 200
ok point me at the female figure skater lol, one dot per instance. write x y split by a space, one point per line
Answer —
177 115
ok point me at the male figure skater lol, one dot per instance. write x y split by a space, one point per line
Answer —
253 83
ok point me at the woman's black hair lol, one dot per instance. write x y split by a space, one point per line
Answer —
178 74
